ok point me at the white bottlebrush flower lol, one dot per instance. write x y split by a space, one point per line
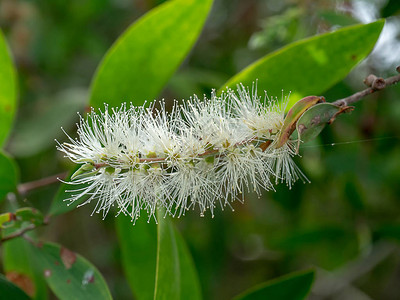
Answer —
202 154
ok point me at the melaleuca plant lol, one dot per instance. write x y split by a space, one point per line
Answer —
134 157
204 153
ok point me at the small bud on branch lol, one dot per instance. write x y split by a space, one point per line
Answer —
374 83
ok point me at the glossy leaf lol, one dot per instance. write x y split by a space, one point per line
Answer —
294 286
311 66
176 277
143 59
8 175
165 260
189 281
9 290
311 123
69 275
297 110
8 90
139 251
21 267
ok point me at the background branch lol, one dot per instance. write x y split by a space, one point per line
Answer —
374 83
26 187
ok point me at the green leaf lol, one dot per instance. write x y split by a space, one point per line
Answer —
294 286
29 214
139 250
311 123
5 218
173 270
69 275
176 277
143 59
22 218
311 66
8 90
84 170
297 110
59 205
8 175
11 291
34 134
21 267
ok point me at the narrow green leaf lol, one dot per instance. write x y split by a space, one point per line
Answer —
83 169
189 283
9 290
294 286
139 250
21 267
69 275
168 271
143 59
8 90
8 175
297 110
176 277
311 66
311 123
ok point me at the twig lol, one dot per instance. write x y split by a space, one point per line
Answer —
375 83
24 230
26 187
18 233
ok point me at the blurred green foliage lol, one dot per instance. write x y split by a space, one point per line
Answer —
343 224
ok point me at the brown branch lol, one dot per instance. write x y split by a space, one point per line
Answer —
374 83
26 187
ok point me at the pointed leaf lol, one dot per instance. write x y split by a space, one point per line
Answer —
69 275
311 123
289 124
176 277
294 286
8 175
11 291
189 282
139 250
8 90
311 66
21 267
143 59
169 263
